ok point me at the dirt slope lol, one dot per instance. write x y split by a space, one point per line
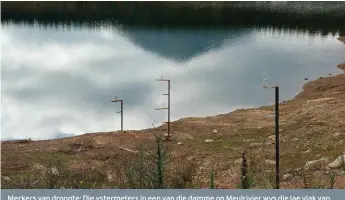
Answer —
342 38
312 126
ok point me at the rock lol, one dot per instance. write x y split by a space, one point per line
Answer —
326 159
208 140
270 140
190 137
39 166
179 143
271 137
51 149
316 164
6 178
318 155
270 162
295 139
190 158
307 151
268 171
290 170
165 134
238 161
55 171
298 169
215 131
110 176
129 150
337 135
287 177
281 130
337 163
255 144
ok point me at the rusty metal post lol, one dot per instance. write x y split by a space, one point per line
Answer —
169 109
168 137
277 136
121 115
264 77
121 102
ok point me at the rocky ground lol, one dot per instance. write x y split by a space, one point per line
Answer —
312 144
342 38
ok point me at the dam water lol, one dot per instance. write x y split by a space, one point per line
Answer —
59 80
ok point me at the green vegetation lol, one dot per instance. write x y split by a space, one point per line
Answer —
145 171
246 181
212 180
148 171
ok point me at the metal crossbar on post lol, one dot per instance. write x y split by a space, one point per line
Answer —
264 77
168 137
121 111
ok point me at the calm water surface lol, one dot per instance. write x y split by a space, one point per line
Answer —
60 81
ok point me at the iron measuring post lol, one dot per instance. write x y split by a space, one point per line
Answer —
276 128
168 137
121 102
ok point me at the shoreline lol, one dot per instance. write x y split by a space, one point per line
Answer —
342 38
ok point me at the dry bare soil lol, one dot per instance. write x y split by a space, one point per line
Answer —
312 128
342 38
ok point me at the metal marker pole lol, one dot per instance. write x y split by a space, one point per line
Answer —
121 102
168 137
121 116
277 134
264 78
169 110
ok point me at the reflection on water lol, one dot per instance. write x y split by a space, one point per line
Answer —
61 81
183 45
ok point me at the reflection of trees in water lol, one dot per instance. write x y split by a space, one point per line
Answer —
178 44
321 17
182 45
152 25
312 29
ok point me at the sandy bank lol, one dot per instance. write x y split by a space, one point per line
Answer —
342 38
342 66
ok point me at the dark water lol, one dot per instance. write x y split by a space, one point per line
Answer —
60 80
